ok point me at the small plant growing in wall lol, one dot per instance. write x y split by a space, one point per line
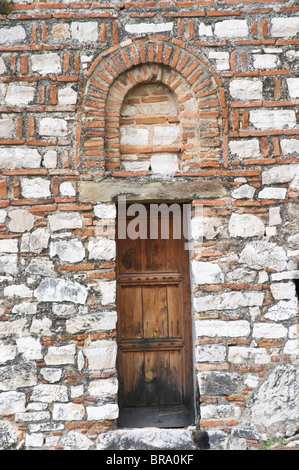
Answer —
6 7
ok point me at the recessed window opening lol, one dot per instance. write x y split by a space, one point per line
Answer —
150 134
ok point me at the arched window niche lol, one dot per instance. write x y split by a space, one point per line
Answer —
150 132
151 107
158 128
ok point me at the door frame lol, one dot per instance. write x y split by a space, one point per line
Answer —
191 323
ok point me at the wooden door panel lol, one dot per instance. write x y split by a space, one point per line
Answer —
131 319
129 256
174 308
154 331
152 378
154 302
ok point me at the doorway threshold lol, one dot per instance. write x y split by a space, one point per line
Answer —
148 438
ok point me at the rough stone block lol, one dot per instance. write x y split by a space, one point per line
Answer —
274 119
246 89
222 60
101 355
207 273
164 163
228 301
85 32
101 248
243 355
35 241
7 127
67 96
231 29
21 220
273 193
265 61
293 86
132 137
19 158
68 412
146 28
65 220
19 95
102 412
53 127
165 135
245 148
246 225
12 402
60 355
46 63
15 34
60 290
35 188
71 251
264 255
284 27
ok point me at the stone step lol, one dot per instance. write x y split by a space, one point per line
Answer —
150 439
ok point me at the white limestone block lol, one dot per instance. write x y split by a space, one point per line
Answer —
101 248
165 135
61 290
68 412
243 192
284 27
101 355
245 148
35 241
50 159
231 29
273 193
67 96
265 61
146 28
134 137
71 251
21 220
19 95
269 330
228 301
85 32
7 127
105 211
205 30
15 34
19 158
273 119
207 273
289 146
65 220
53 127
214 328
60 355
102 412
164 163
246 89
35 188
47 63
264 255
245 225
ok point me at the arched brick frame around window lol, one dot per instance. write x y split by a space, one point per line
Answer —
176 65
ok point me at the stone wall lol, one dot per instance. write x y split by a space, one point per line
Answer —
75 133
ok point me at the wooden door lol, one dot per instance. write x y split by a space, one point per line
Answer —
154 329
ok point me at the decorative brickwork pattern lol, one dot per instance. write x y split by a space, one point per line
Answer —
74 135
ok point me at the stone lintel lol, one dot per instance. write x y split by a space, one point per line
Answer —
109 190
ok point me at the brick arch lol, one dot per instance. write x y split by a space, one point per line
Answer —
116 71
